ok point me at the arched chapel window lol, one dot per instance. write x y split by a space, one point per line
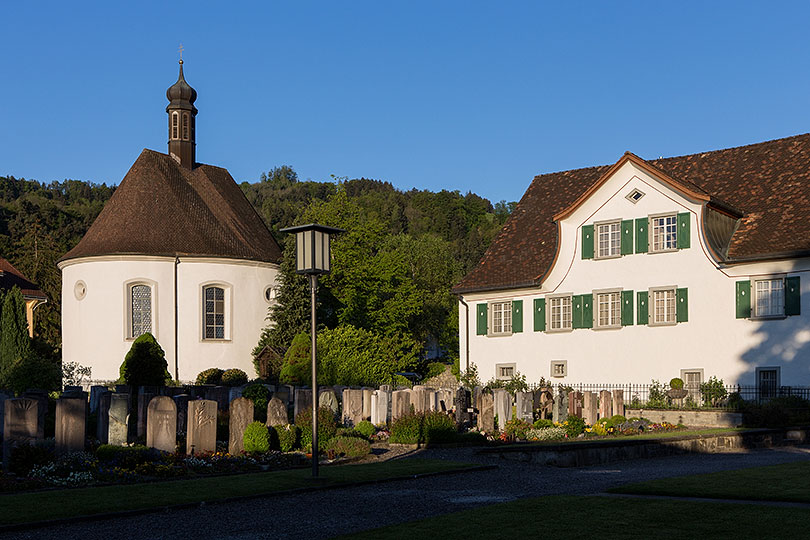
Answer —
140 310
214 309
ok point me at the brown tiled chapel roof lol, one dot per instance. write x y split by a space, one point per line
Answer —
768 183
161 208
10 277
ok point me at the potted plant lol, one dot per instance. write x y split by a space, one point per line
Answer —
676 389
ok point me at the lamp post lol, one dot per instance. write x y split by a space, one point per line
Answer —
312 257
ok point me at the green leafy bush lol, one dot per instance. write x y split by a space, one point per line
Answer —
210 376
574 425
434 369
546 434
145 363
234 377
285 437
469 378
657 396
676 383
297 367
517 383
713 391
327 427
541 423
33 371
256 439
426 427
516 428
615 420
783 411
366 429
350 447
127 457
259 395
15 344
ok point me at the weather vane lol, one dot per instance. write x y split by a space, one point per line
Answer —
180 50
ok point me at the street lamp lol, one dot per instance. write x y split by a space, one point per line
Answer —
312 257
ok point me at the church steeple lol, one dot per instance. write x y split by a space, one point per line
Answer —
182 114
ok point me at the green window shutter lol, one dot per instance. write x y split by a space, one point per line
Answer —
642 313
642 227
539 314
482 320
587 241
683 235
682 306
587 311
743 299
793 296
517 316
627 237
627 308
576 311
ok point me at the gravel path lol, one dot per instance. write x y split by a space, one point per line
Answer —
340 511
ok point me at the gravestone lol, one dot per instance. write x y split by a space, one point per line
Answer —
181 405
222 395
461 403
71 420
352 407
419 398
367 402
41 398
277 413
123 389
432 399
202 426
575 404
555 410
95 395
3 397
144 398
524 402
618 402
477 392
235 392
328 399
589 408
546 402
375 403
103 417
302 401
285 393
20 424
118 420
503 407
241 415
486 415
400 403
446 400
384 404
161 424
386 388
605 404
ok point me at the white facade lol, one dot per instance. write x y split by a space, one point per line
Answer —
712 341
97 313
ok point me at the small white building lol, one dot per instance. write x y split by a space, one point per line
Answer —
692 267
177 251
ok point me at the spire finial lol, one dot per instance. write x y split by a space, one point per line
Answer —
180 50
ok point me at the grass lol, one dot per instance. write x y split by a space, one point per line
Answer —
643 436
785 482
69 503
605 518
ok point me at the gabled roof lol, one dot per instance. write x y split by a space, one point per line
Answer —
10 276
767 185
161 208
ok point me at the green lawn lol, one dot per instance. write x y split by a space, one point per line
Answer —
66 503
786 482
622 438
605 518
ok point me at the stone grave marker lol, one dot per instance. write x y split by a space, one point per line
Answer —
477 392
575 404
144 398
103 417
327 398
20 424
400 403
352 407
419 398
445 403
589 408
383 405
367 402
241 415
277 413
118 419
461 404
95 395
222 395
235 392
524 402
71 420
41 398
181 404
161 424
386 388
618 402
202 426
546 402
486 415
302 401
555 410
503 407
605 404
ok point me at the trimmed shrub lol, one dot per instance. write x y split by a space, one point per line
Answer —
234 377
676 383
256 439
33 372
284 438
417 428
145 363
127 457
366 429
574 425
615 420
349 447
327 427
297 367
210 376
259 395
541 423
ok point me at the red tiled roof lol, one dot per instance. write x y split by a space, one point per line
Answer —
768 182
10 276
161 208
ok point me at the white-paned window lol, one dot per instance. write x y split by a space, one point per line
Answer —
140 310
609 309
504 372
609 237
664 232
559 313
692 379
769 298
214 310
501 317
559 368
663 305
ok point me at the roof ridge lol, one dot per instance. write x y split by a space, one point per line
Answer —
718 150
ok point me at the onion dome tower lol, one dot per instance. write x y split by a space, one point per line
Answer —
182 114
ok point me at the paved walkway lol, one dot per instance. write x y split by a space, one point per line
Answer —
340 511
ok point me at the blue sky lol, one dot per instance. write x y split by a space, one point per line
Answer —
468 96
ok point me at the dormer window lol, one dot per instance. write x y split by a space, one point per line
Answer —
175 125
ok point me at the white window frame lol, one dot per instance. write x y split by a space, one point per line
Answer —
550 301
613 251
755 308
651 306
501 377
563 369
227 291
504 309
651 232
175 127
597 299
128 286
694 393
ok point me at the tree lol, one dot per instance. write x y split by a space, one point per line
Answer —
297 367
15 344
145 363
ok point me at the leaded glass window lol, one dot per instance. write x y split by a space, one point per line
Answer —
214 306
140 309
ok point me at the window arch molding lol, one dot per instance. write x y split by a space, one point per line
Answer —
140 308
175 127
216 311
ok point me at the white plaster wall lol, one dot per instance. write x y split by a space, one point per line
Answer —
94 329
712 339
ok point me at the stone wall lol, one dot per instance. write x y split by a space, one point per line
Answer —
690 418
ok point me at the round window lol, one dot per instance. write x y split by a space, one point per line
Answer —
80 289
270 293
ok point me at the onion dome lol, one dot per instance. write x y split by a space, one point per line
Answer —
181 94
